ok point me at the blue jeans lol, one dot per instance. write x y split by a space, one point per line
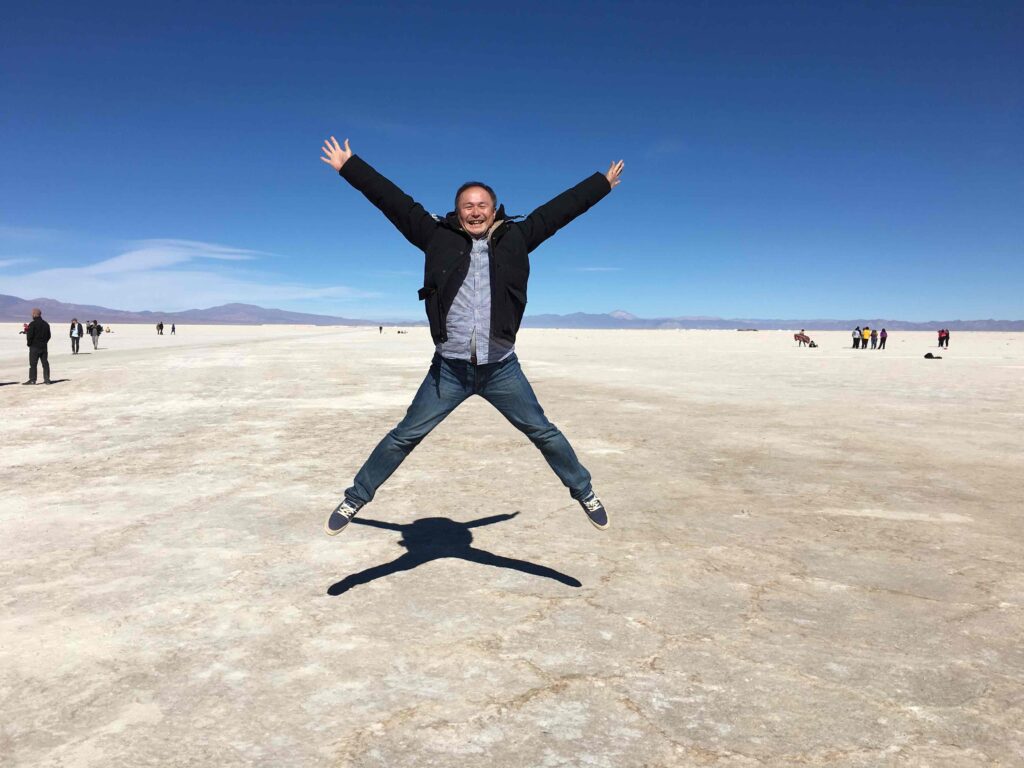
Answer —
447 385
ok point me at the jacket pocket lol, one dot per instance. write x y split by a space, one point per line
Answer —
433 307
517 305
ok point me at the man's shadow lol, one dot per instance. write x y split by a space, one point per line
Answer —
432 538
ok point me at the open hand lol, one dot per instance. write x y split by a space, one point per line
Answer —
334 155
614 171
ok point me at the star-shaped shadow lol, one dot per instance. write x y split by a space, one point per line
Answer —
431 538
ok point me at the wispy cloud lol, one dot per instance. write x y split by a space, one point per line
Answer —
157 254
665 147
12 262
172 275
396 273
599 269
26 233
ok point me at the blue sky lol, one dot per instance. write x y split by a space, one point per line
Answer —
782 159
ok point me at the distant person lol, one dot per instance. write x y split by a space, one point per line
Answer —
76 335
475 278
882 336
856 337
945 339
941 334
380 329
24 329
865 335
95 329
37 336
803 338
174 330
874 338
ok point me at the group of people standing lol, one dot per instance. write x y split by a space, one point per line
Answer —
37 338
867 335
160 329
92 328
944 337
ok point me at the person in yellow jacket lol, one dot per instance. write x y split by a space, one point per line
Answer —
865 335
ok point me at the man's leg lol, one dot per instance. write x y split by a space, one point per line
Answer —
44 357
441 392
33 363
507 389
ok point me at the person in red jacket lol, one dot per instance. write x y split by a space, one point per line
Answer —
475 280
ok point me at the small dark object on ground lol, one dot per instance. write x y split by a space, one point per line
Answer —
930 356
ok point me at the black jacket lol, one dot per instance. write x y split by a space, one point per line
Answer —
447 246
71 330
38 334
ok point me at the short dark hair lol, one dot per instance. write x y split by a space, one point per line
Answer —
471 184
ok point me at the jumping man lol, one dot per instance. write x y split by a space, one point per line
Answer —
474 288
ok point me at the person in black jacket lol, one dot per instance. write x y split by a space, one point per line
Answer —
37 337
76 334
95 329
474 288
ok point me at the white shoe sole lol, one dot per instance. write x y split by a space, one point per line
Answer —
329 532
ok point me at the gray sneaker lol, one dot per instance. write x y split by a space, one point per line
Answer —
339 519
596 513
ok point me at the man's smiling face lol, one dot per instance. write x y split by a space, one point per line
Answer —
476 211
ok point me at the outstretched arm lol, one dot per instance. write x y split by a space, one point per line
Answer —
378 524
489 520
555 214
408 216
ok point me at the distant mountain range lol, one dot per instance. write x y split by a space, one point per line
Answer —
13 309
620 319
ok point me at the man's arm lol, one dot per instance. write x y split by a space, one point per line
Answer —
408 216
490 520
378 524
555 214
